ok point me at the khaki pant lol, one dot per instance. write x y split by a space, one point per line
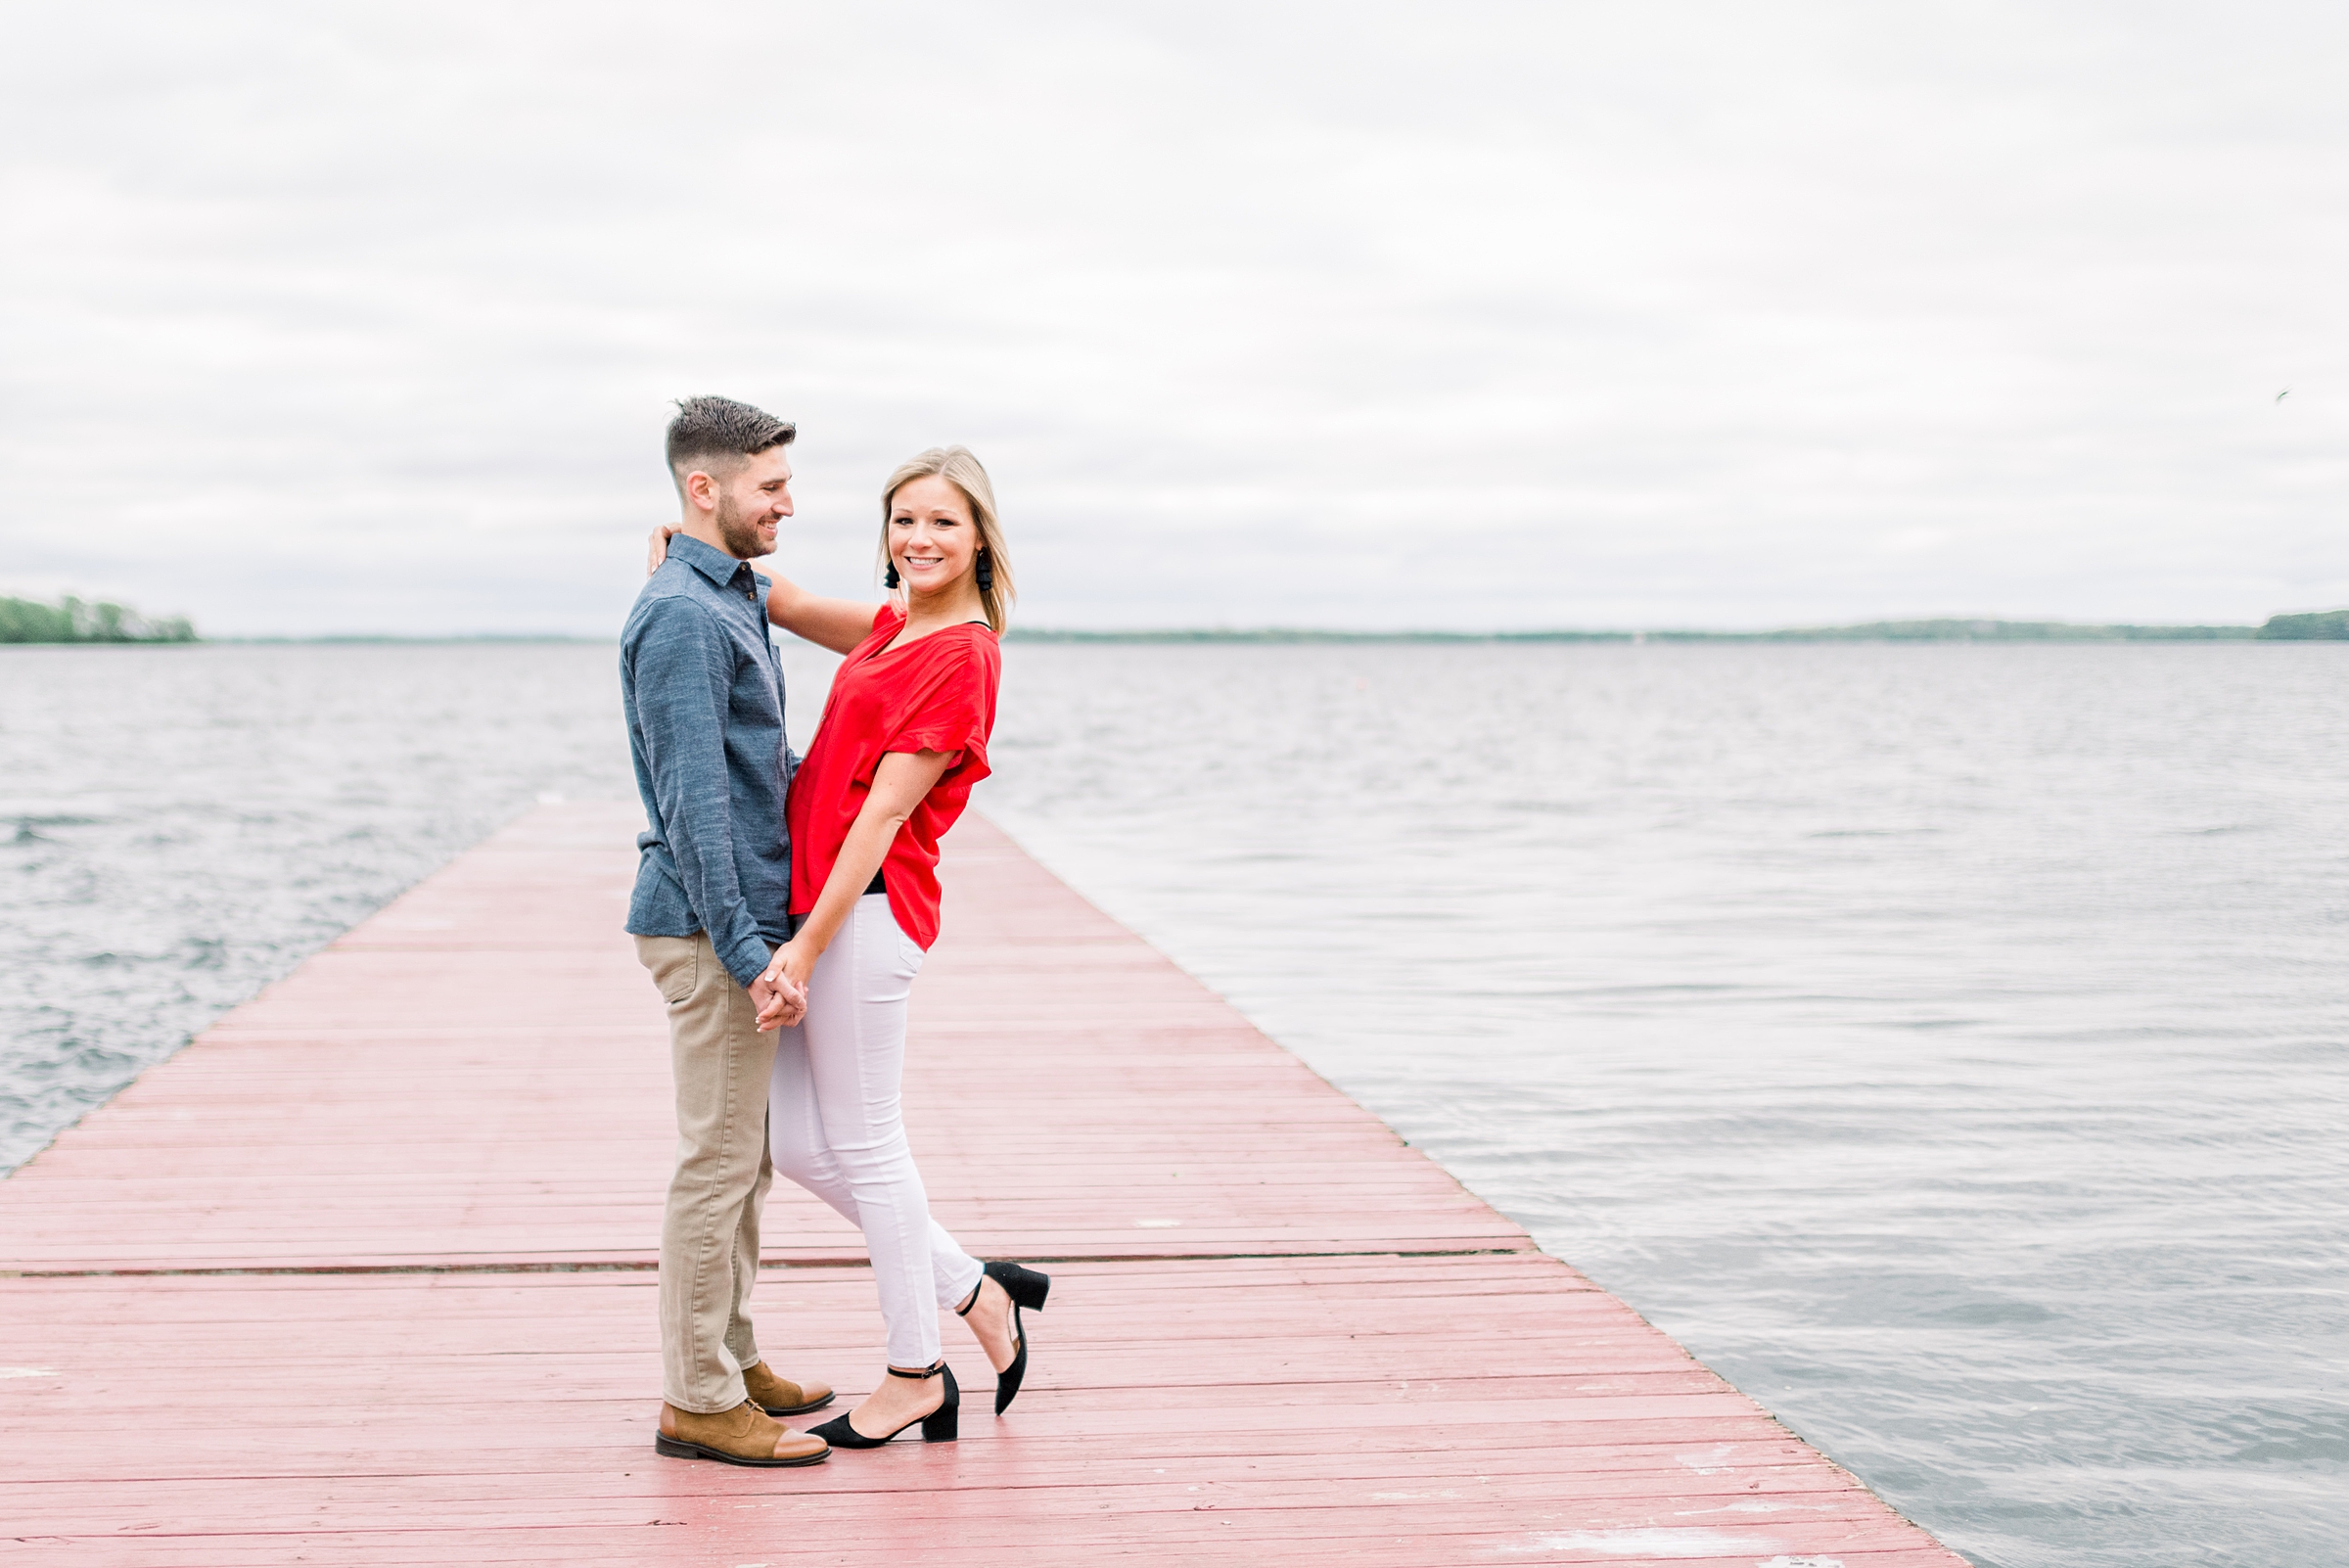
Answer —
709 1234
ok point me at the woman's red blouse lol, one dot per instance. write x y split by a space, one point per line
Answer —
935 694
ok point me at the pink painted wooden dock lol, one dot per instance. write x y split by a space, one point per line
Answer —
364 1276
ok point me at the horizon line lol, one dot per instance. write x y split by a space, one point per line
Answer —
2315 625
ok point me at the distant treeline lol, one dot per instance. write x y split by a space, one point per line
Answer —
2324 625
72 619
2330 625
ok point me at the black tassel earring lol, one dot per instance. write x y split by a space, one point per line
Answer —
987 573
889 576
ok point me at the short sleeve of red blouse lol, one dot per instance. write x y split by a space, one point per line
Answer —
956 715
935 694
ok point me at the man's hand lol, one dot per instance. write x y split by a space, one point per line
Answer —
780 1004
785 980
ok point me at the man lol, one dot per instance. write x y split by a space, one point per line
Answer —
703 698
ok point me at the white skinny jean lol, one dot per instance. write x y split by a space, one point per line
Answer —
836 1125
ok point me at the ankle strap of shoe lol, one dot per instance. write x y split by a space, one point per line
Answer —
919 1377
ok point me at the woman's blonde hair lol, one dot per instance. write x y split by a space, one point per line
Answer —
956 465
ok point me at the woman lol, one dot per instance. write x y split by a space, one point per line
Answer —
902 739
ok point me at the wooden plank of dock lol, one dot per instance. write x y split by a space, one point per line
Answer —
364 1276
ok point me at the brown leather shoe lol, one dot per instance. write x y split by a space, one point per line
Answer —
780 1396
743 1435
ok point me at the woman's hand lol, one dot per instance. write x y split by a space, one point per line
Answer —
786 978
777 1007
658 550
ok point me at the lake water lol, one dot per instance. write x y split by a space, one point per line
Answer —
1947 1043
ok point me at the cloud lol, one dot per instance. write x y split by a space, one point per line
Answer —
364 319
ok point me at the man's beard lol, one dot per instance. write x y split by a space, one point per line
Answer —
736 531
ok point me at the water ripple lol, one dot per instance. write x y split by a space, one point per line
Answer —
1947 1043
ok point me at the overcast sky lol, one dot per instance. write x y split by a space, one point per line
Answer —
364 319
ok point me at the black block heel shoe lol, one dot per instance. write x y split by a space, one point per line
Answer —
939 1426
1027 1288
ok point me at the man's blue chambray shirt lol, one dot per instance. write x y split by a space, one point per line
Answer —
704 695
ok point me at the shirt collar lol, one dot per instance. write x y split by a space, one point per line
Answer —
715 564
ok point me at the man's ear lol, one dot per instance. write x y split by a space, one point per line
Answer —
701 491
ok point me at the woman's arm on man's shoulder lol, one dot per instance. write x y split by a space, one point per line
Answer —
835 623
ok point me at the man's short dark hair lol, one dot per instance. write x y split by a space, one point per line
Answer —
722 429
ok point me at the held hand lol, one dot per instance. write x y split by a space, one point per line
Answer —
778 1007
786 979
656 550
